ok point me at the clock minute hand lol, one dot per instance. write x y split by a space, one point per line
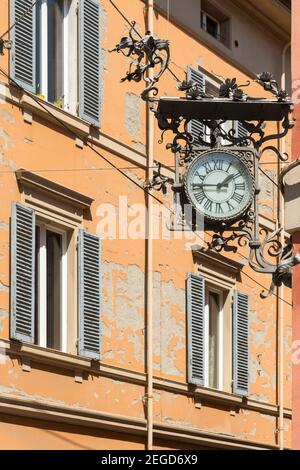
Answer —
225 182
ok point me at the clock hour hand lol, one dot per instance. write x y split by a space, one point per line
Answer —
225 182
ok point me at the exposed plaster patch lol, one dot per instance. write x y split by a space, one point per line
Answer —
137 347
4 226
266 186
6 116
6 139
132 114
3 288
3 315
169 332
108 354
259 397
268 417
265 208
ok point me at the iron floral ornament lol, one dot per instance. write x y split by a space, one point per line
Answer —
192 150
147 53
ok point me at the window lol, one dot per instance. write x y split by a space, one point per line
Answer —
215 22
51 287
56 53
55 271
213 338
211 25
54 19
218 335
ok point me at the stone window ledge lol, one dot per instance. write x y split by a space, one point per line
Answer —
201 395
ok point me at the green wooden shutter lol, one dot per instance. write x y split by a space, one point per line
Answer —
89 61
22 273
23 51
195 127
195 321
240 343
89 295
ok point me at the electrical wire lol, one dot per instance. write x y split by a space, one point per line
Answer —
269 177
19 19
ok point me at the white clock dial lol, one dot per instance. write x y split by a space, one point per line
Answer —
219 185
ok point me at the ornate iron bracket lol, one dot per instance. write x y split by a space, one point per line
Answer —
149 53
158 181
213 115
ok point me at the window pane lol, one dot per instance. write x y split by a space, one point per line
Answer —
55 49
54 255
214 308
211 26
37 290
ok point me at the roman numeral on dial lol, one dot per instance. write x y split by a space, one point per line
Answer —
240 186
202 177
218 164
237 197
208 205
208 167
199 195
219 209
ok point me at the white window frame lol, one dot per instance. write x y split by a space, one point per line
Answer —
204 16
42 286
221 293
70 58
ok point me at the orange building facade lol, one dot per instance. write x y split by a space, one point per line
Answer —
94 317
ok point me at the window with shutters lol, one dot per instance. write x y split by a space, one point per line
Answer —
56 53
55 269
210 86
218 336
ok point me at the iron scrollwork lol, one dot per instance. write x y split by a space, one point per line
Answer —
149 52
264 247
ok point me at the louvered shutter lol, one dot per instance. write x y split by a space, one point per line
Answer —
241 132
23 51
89 60
195 320
22 273
89 302
240 343
195 127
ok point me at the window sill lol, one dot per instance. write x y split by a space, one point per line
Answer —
201 395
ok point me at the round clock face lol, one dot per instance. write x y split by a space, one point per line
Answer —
219 185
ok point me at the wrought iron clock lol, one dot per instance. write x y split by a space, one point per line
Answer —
217 171
220 185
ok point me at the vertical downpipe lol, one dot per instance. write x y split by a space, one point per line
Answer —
281 288
149 255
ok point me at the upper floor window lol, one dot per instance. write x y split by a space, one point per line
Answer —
211 25
56 53
215 22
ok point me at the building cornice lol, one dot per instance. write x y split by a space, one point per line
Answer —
47 411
